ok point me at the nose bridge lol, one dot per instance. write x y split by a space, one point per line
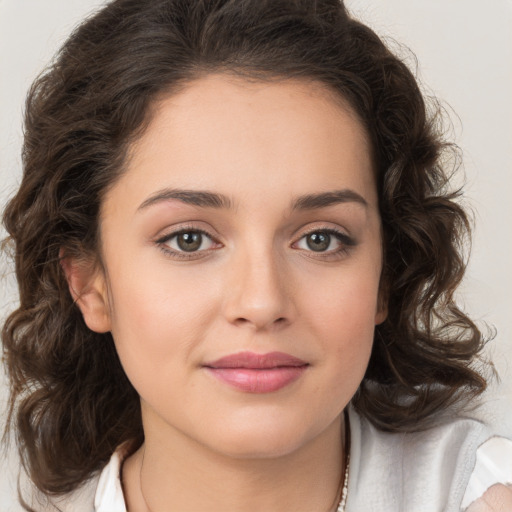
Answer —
258 294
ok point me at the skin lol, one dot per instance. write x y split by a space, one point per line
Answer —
254 284
497 498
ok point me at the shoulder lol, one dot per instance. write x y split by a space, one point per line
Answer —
448 444
424 471
101 493
489 487
80 500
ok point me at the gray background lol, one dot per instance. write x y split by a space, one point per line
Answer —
465 58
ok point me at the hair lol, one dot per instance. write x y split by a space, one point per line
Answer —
70 401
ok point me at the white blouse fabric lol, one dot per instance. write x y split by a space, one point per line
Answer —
493 466
109 494
443 469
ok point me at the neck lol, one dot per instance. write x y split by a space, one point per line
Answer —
175 473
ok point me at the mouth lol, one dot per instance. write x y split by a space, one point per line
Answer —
257 373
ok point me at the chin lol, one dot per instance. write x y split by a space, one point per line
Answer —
266 446
262 439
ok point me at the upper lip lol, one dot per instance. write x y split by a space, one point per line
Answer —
256 361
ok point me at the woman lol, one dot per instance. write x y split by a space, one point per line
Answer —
233 223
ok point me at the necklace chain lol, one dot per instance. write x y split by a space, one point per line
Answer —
344 490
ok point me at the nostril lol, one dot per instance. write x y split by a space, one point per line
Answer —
281 321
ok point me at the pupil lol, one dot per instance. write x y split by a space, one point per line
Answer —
189 241
318 241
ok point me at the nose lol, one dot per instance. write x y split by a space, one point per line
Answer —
258 294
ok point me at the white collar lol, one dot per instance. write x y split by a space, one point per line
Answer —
109 495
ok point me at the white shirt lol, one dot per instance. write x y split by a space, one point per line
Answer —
432 464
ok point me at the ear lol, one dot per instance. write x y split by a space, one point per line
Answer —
382 301
87 286
382 313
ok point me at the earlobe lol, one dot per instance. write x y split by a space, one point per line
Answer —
382 314
88 289
382 303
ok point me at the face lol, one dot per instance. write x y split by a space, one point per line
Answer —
242 258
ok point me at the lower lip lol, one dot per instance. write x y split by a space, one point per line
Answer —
263 380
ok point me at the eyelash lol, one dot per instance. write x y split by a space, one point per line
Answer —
345 240
183 255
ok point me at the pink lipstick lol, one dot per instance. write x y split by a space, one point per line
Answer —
257 373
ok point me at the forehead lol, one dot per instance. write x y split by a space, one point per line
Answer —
234 136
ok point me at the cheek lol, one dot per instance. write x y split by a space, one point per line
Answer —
341 315
158 319
342 303
151 298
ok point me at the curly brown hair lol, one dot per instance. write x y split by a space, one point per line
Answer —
71 402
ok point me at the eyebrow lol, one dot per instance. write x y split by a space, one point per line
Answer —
206 199
325 199
194 197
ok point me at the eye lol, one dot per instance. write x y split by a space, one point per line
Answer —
187 241
325 241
